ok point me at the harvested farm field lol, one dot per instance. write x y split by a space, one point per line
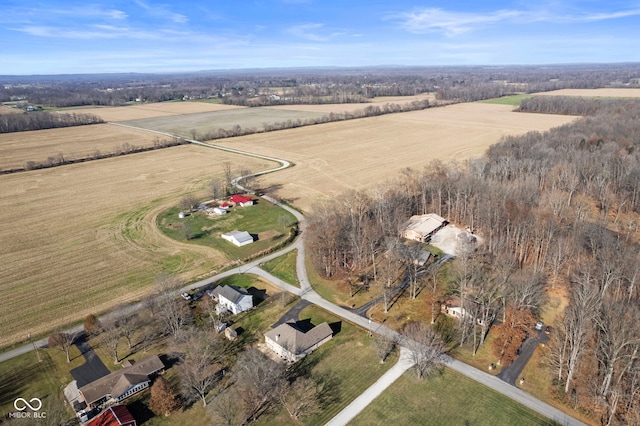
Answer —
334 157
151 110
600 93
72 142
82 238
184 125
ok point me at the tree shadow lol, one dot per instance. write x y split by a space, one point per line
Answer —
140 411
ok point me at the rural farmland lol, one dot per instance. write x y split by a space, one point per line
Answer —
335 157
103 248
182 125
81 238
72 142
152 110
600 93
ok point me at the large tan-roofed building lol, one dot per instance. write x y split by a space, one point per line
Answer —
422 227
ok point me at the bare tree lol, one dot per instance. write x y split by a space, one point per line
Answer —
189 203
426 348
228 408
384 347
300 398
172 313
128 325
216 189
258 379
110 339
197 369
62 341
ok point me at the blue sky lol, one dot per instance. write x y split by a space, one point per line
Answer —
53 37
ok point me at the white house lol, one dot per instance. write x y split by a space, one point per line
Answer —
422 227
231 298
239 238
453 307
292 344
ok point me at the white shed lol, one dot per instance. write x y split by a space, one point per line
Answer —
239 238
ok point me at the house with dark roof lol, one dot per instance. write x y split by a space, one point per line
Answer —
116 415
292 342
123 383
231 298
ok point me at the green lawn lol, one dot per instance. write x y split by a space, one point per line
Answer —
284 267
263 220
347 363
25 377
446 399
507 100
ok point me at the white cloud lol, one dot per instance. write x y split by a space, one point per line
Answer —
453 23
162 11
307 31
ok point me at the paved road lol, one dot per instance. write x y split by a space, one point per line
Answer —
307 293
360 403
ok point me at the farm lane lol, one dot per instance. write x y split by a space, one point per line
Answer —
307 293
361 402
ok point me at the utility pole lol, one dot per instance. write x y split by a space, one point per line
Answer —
35 347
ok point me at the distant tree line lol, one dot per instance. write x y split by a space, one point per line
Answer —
568 105
123 149
269 87
44 120
556 209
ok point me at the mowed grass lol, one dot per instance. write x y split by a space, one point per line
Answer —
446 399
514 100
26 377
184 125
347 364
283 267
262 220
81 239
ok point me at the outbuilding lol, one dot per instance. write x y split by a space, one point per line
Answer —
239 238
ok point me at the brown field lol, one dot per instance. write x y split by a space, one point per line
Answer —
603 93
157 109
332 158
8 110
80 239
73 142
337 108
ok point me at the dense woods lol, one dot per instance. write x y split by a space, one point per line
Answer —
555 210
44 120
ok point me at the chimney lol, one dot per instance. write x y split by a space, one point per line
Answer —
277 337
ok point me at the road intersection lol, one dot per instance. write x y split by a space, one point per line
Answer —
306 292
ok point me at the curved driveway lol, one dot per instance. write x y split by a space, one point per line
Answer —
306 292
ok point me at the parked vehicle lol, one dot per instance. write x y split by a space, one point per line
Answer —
539 326
186 296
